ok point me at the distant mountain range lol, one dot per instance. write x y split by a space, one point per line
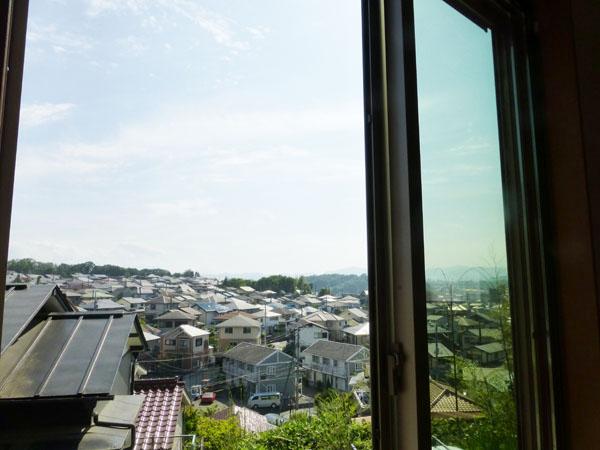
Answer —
465 273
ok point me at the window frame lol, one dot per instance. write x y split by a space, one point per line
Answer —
397 298
396 278
13 26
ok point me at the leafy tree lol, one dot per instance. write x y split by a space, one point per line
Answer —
214 434
324 291
339 284
331 429
29 265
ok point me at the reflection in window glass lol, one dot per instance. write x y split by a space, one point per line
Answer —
468 315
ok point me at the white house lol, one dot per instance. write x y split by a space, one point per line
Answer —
333 364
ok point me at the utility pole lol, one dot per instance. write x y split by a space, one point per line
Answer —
265 325
454 349
297 343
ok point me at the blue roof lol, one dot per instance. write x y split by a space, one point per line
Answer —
212 307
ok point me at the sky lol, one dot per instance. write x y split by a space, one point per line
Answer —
227 136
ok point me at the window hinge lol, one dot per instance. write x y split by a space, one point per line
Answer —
395 362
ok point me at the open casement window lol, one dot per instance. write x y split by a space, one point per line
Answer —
399 176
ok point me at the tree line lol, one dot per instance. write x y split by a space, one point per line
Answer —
31 266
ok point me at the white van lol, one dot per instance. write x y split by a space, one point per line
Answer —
264 400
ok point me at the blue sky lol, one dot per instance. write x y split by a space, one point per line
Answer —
227 137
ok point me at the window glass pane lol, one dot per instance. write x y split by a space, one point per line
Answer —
468 314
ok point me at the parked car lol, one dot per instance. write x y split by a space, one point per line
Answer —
208 397
264 400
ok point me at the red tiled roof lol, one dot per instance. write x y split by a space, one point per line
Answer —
156 421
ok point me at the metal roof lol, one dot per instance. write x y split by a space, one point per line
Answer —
439 350
21 306
69 354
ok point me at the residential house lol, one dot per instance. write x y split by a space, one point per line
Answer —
358 334
356 314
132 303
445 402
305 333
440 359
238 329
236 304
333 364
174 318
260 369
187 345
153 341
269 319
334 323
209 311
160 304
491 354
478 336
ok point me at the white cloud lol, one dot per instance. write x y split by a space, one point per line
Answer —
60 41
41 113
155 14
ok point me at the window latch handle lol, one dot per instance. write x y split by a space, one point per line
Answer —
395 363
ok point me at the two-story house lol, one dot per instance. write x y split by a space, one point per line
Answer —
269 319
332 364
238 329
132 303
209 311
260 369
160 304
187 345
358 334
334 323
304 333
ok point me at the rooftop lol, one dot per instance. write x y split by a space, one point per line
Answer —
157 420
251 353
69 354
239 321
333 350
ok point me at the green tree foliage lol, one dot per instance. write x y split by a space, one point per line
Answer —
497 429
324 291
275 283
28 265
332 428
339 284
214 434
237 282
